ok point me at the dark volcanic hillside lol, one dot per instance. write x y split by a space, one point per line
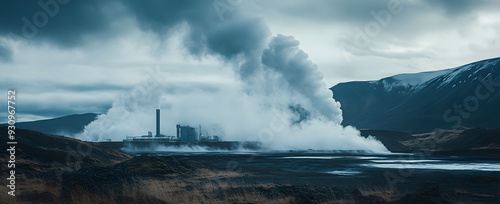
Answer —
55 152
466 96
476 140
67 125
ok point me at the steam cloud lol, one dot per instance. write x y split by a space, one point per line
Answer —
280 98
301 75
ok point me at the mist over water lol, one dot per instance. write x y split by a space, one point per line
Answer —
278 96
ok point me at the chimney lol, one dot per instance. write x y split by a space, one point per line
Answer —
157 122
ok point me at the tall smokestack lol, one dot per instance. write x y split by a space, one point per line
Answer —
157 122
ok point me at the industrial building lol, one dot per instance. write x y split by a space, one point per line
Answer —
185 135
158 122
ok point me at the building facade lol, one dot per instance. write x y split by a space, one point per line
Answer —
186 133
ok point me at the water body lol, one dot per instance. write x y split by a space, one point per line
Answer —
341 163
354 169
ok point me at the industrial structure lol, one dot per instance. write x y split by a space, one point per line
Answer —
158 122
185 135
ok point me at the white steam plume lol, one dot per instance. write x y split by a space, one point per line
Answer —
279 97
301 76
264 115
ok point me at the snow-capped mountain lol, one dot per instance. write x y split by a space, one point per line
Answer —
465 96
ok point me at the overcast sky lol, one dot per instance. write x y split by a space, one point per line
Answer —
67 56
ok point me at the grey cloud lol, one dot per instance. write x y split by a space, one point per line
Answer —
162 16
36 97
57 110
80 88
77 20
237 36
241 36
417 18
207 34
358 11
5 53
37 86
380 51
65 25
458 7
353 11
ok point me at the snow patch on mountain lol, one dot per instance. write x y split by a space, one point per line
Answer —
450 76
417 81
412 81
486 65
474 66
420 78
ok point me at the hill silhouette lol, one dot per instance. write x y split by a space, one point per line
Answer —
66 125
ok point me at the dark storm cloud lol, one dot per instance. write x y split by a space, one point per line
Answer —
72 25
64 23
207 33
162 16
67 23
235 38
246 36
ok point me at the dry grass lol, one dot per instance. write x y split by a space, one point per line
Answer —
177 191
31 186
463 192
383 192
207 186
4 197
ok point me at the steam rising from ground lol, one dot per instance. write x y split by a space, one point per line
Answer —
301 77
287 78
278 96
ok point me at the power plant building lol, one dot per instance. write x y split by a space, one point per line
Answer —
158 123
186 133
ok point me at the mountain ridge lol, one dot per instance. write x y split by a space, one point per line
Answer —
454 98
65 125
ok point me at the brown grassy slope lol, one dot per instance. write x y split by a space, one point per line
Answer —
438 140
48 156
44 149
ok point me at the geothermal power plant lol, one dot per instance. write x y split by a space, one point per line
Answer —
185 136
